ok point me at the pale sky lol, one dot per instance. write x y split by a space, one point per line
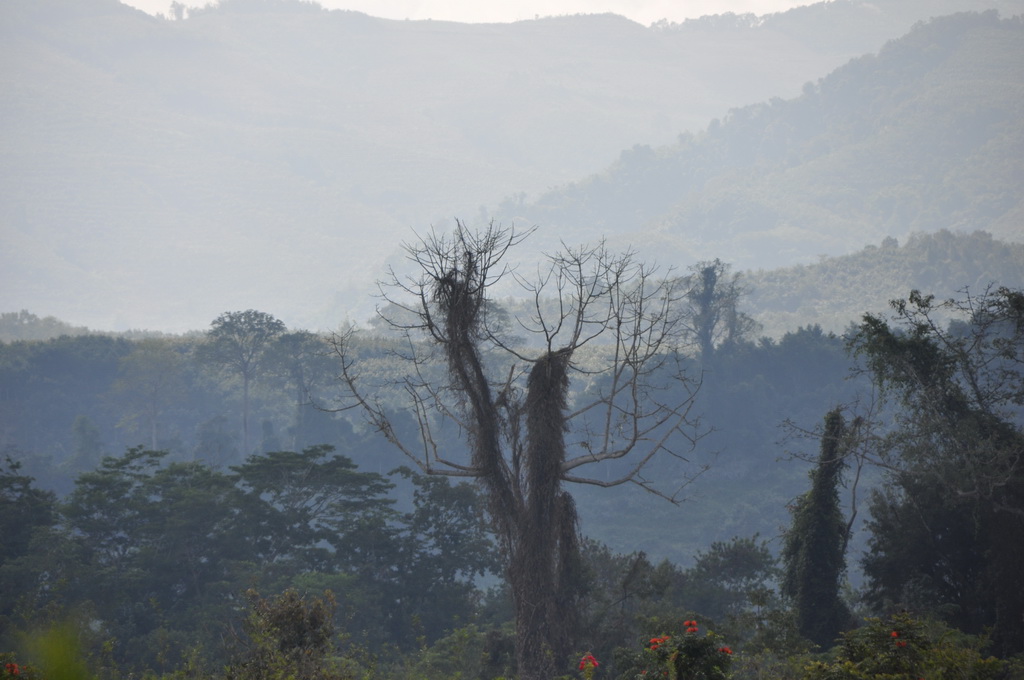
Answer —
643 12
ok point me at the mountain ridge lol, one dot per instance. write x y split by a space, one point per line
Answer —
158 172
886 145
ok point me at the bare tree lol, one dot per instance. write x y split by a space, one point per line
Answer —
514 406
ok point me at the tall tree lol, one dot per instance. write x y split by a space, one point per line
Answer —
514 407
238 341
88 444
295 503
814 552
712 299
106 514
23 509
300 358
446 546
149 381
948 532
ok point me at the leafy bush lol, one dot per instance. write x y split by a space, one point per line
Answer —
685 654
902 648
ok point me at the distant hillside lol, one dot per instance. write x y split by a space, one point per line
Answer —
23 325
272 154
838 291
26 326
831 293
928 134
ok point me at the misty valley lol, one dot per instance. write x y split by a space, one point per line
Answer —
736 393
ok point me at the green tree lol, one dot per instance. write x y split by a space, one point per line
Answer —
88 444
446 547
298 504
287 636
513 404
189 542
104 518
106 506
238 342
728 579
301 359
24 325
149 381
26 513
23 509
158 552
948 531
900 647
814 553
713 316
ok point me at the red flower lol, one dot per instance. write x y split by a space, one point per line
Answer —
901 643
725 650
588 661
894 634
12 669
658 641
691 629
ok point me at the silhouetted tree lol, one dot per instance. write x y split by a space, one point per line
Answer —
300 357
948 533
514 405
814 552
149 381
88 444
237 341
712 301
23 508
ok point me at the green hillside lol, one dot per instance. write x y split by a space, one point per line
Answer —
836 291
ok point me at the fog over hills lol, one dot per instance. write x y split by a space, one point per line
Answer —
923 136
273 155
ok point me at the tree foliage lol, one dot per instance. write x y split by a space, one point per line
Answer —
814 552
151 380
901 647
713 316
287 636
948 532
238 341
149 553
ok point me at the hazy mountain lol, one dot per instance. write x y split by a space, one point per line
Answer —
272 154
925 135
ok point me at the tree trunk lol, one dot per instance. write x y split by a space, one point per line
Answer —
534 520
245 417
542 570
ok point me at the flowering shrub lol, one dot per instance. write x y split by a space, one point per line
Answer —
9 669
903 648
687 655
587 664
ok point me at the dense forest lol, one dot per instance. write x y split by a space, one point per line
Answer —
178 505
